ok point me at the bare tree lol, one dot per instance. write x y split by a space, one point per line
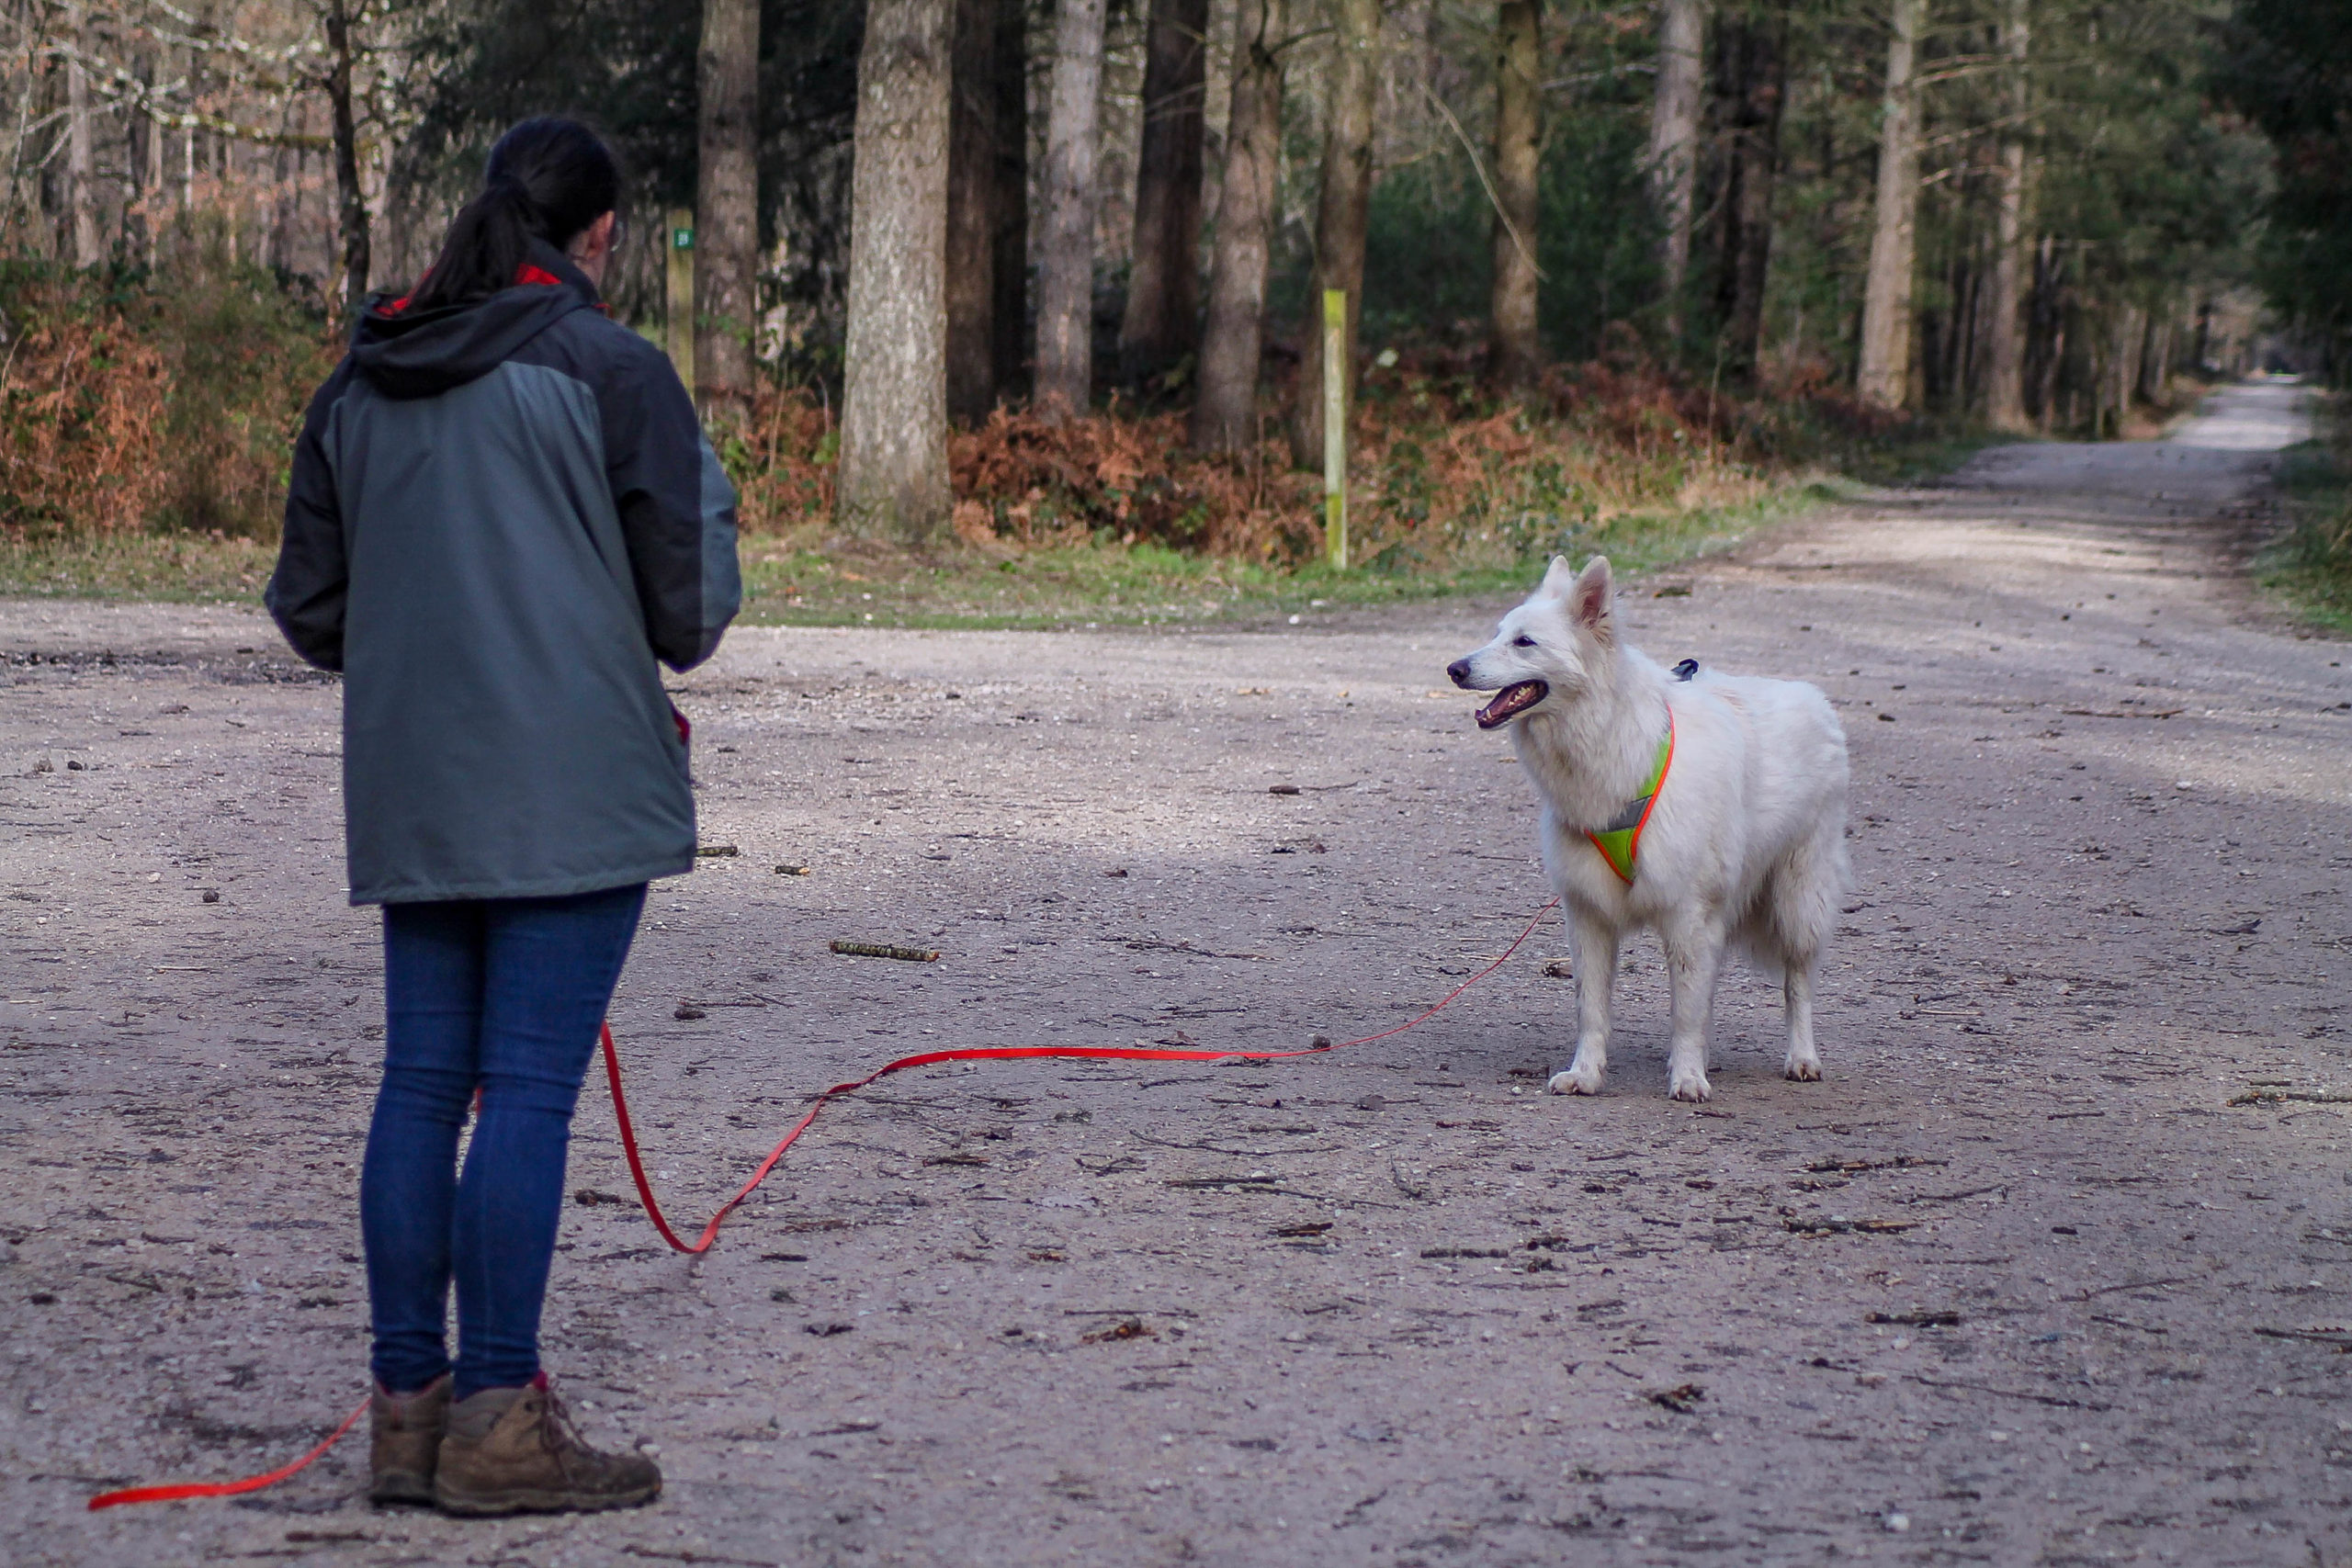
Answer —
152 185
972 214
351 201
2005 379
1066 257
1224 415
1009 212
1884 377
81 168
1674 142
1515 352
1162 323
892 481
727 197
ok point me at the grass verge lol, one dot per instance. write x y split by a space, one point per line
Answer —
1048 586
169 568
2308 566
1148 584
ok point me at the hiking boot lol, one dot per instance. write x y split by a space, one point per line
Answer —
513 1451
407 1429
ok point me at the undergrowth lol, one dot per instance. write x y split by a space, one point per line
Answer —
146 419
1446 479
167 400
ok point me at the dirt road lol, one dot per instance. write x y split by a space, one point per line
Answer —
2052 1269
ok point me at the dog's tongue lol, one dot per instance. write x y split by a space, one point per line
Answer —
1511 701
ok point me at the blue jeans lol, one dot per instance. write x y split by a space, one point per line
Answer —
503 995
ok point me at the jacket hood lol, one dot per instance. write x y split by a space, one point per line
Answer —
406 353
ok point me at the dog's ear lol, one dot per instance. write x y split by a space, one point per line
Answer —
1558 579
1589 597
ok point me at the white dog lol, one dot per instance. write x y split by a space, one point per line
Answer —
1712 809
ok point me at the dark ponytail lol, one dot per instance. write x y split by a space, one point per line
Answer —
548 179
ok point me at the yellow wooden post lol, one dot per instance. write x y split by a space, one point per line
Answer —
681 324
1335 426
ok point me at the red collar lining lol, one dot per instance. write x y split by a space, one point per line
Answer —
528 273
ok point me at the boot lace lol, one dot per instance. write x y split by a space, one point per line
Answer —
556 1429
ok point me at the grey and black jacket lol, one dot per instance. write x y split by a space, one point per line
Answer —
501 515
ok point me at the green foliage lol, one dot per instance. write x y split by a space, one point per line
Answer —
1600 236
2154 189
628 68
2287 64
1427 262
1428 258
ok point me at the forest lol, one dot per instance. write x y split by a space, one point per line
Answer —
1027 276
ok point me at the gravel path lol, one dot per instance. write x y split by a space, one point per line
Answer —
2051 1270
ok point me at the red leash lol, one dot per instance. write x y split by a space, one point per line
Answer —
225 1488
710 1231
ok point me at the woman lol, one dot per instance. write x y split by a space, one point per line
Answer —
503 513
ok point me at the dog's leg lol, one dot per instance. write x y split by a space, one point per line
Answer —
1596 960
1796 989
1694 955
1803 904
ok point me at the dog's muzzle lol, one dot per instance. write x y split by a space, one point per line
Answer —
1512 701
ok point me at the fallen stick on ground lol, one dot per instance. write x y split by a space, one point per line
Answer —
883 950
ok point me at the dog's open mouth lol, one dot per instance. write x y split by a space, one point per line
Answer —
1512 701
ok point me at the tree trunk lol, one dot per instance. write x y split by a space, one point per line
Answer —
971 213
2156 351
1885 378
81 168
892 482
2004 354
1225 417
1342 213
351 204
727 199
1066 259
2050 313
2132 358
1755 56
2123 362
152 188
1008 208
276 249
1162 323
1515 354
1674 142
1968 337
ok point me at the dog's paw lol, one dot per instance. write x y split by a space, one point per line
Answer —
1576 1081
1803 1069
1689 1083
